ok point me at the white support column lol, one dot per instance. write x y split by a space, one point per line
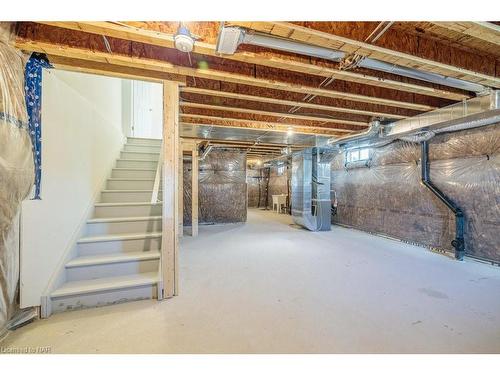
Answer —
170 228
194 192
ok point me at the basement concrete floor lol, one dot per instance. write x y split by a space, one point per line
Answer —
269 287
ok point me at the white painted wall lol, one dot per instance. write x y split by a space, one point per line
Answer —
81 139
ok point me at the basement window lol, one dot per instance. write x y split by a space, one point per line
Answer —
360 154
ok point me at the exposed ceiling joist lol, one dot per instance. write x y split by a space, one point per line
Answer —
245 143
166 67
128 32
229 122
275 114
320 38
118 71
487 31
226 94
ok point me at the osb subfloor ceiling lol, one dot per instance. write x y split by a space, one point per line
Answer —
273 92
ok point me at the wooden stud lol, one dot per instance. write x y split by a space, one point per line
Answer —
180 213
194 193
170 229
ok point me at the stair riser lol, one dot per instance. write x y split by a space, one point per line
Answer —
130 185
117 173
141 148
143 226
82 301
142 156
144 141
117 197
139 164
111 270
127 211
118 247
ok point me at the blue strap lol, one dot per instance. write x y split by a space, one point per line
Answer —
33 96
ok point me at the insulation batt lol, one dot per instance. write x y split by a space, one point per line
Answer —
16 170
222 188
387 196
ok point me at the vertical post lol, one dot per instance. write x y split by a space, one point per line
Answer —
194 191
170 150
180 208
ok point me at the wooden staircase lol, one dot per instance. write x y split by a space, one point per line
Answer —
117 260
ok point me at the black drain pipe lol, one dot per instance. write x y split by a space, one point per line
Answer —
458 242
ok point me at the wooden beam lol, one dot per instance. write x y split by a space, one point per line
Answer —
194 193
268 59
170 228
226 94
105 69
487 31
180 192
327 40
275 114
229 122
167 67
245 143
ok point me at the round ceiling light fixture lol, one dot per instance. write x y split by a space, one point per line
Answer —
183 40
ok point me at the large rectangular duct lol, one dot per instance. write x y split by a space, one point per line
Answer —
468 113
311 202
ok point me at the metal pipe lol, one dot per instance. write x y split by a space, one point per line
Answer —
368 134
263 40
420 75
458 243
287 45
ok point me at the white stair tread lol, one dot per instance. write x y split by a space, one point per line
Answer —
133 169
141 152
104 284
117 204
126 191
147 139
113 258
119 237
130 179
122 219
142 160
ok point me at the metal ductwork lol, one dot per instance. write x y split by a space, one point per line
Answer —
311 201
372 132
471 113
468 114
231 37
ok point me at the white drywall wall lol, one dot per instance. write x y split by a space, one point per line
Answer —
81 139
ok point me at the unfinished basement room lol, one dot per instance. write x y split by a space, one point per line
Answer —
250 187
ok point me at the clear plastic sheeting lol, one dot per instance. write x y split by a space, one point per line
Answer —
263 183
388 197
16 170
222 188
